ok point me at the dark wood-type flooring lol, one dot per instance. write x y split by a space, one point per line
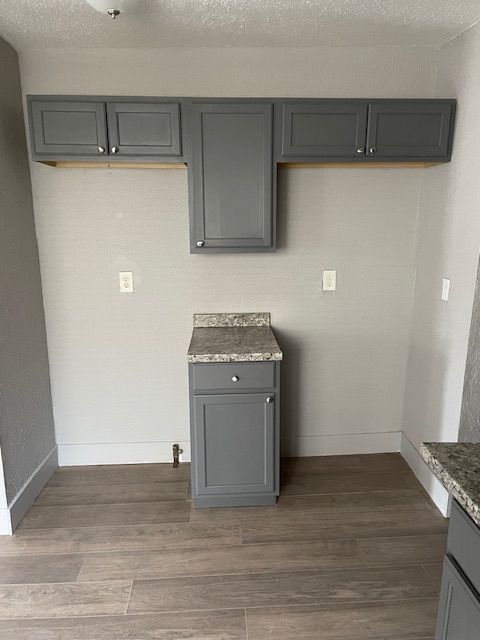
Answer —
352 551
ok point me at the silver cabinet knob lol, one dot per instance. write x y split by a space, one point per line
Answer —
372 150
269 400
115 149
360 150
200 243
235 378
101 149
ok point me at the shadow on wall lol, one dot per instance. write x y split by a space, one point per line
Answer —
291 383
470 415
428 359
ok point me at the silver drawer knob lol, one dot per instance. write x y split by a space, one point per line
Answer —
200 243
360 150
115 149
101 149
372 150
235 378
269 400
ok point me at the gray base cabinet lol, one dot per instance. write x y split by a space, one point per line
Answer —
459 609
234 436
459 617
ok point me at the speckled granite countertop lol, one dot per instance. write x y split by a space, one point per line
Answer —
233 337
457 466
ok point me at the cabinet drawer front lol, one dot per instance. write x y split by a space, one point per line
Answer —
459 609
258 375
464 543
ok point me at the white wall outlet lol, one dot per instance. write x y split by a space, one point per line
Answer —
329 281
445 289
126 281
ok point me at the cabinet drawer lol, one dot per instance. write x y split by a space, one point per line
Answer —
257 375
464 543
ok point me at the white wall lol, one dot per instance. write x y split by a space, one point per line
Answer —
448 246
118 363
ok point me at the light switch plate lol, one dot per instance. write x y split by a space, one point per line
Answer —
329 281
445 289
126 281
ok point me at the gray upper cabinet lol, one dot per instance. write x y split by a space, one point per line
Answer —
145 129
231 177
67 129
364 130
98 128
234 440
411 130
331 129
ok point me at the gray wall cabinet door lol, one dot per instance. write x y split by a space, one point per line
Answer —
459 609
67 129
234 443
417 129
312 131
144 129
231 177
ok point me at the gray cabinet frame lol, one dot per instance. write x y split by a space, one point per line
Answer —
248 494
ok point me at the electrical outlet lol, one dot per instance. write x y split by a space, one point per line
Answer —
445 289
126 281
329 281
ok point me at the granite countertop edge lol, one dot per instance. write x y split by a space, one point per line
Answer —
455 488
235 357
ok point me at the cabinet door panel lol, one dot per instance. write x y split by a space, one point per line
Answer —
231 177
62 129
234 444
145 128
459 608
323 130
419 129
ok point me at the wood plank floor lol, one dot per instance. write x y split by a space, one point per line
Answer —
352 551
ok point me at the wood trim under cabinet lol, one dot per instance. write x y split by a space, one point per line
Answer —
78 164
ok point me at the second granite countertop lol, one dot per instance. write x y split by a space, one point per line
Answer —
233 344
457 466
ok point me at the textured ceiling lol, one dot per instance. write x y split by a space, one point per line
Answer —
192 23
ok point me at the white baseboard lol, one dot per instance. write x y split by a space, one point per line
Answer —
11 516
5 522
430 482
347 444
119 453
